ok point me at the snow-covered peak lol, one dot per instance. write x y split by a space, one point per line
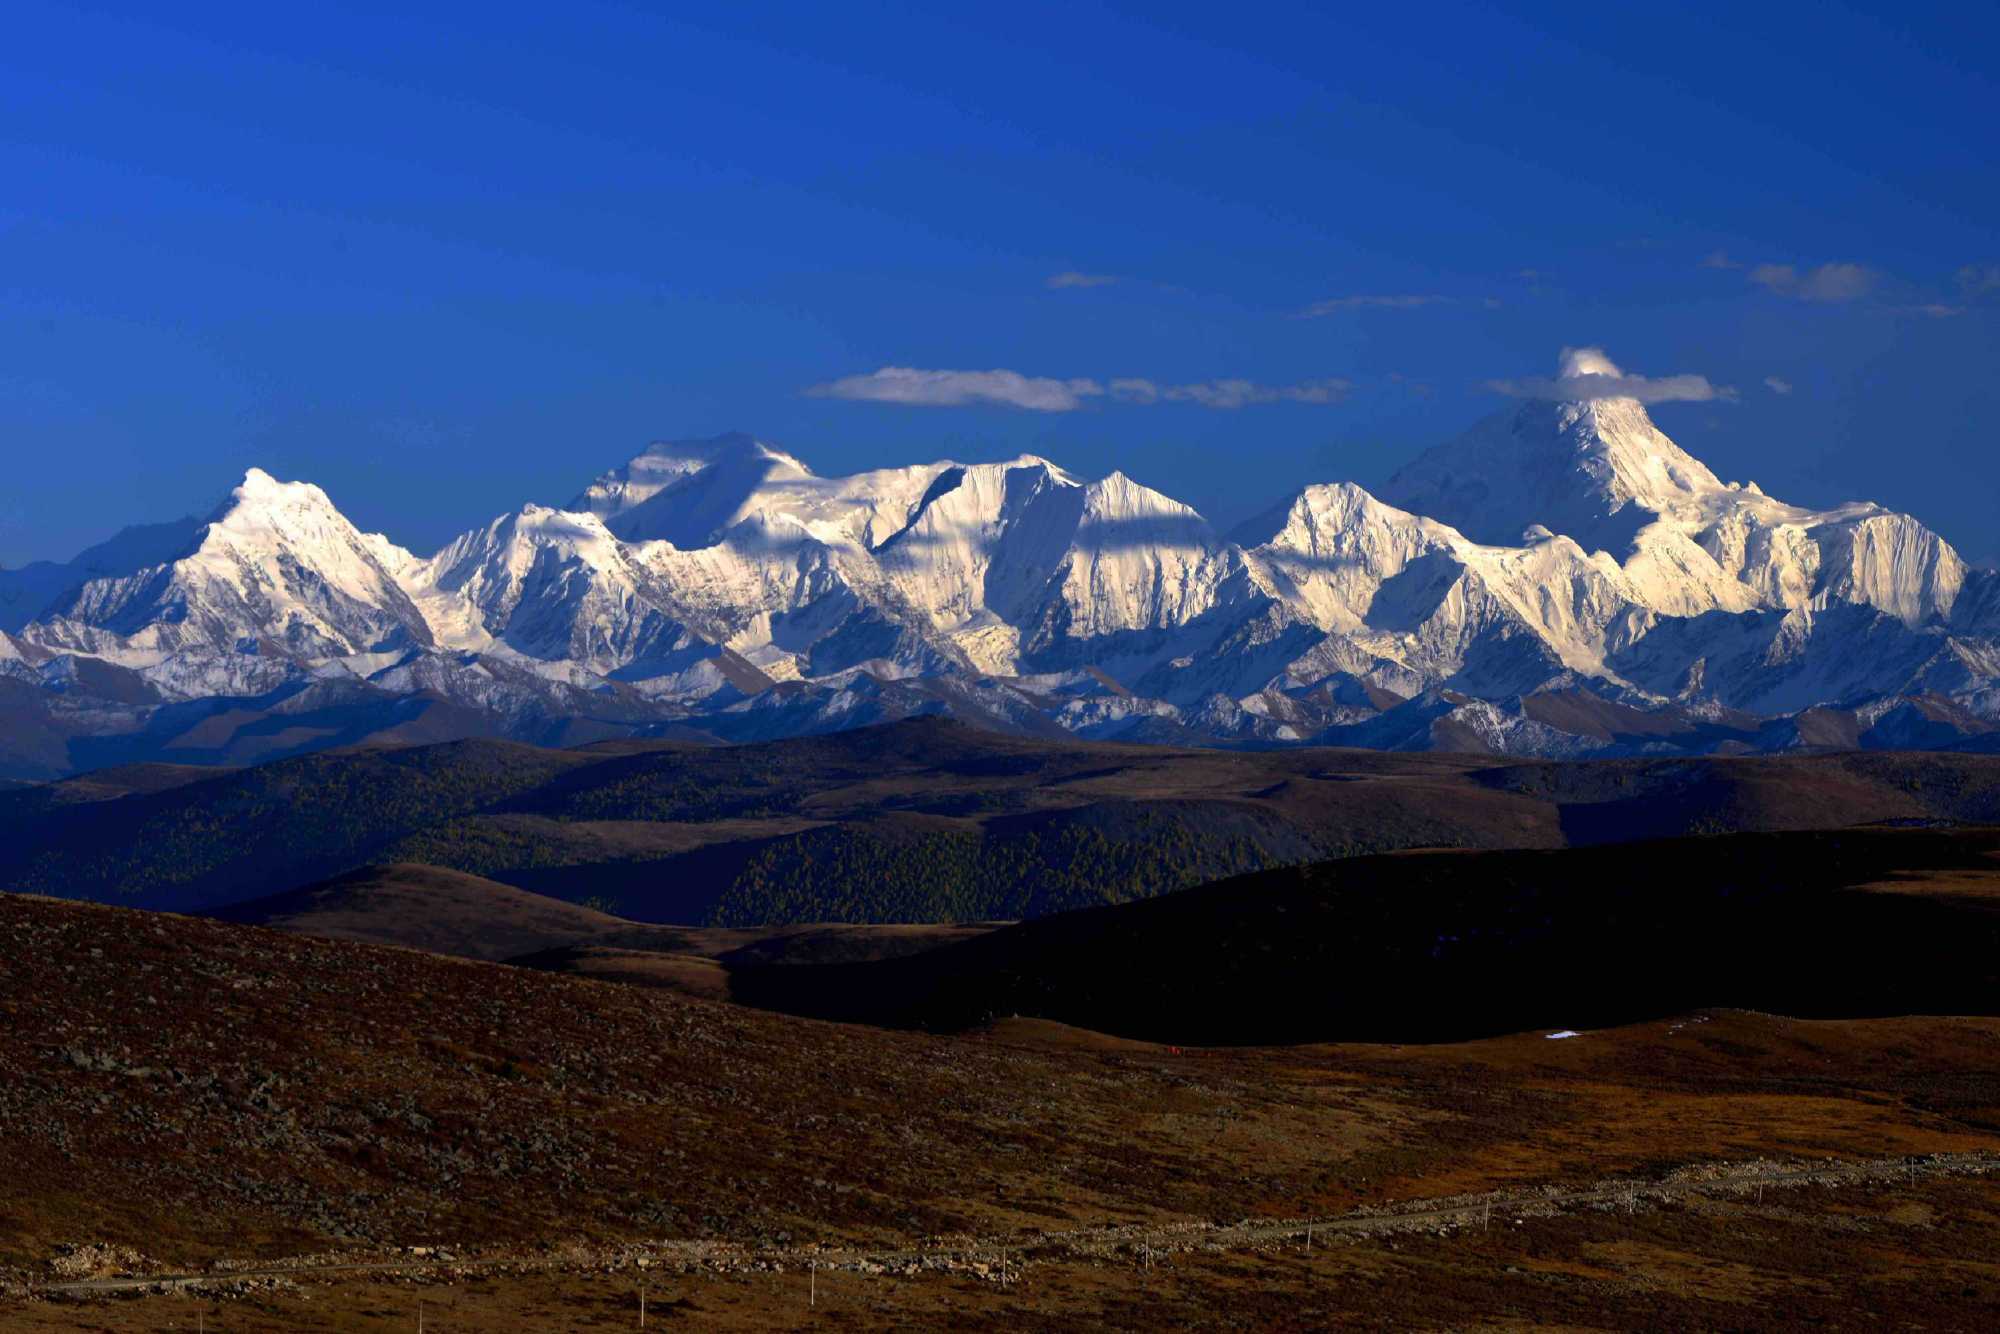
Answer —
1566 539
277 567
1119 499
264 511
257 482
514 542
1319 518
555 587
666 462
1417 592
1597 470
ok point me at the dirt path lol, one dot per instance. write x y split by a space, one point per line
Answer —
999 1259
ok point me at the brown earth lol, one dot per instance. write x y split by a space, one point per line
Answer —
426 908
200 1091
703 960
449 912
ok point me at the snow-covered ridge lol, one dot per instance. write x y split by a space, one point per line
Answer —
1557 544
277 569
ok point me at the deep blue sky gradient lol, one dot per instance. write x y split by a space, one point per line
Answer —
446 263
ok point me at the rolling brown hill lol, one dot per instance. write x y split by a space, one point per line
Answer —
426 908
915 822
186 1095
449 912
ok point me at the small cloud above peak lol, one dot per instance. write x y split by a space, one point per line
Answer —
1586 374
1072 278
1777 386
1575 361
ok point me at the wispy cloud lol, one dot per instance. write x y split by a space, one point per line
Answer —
1777 386
1072 278
1229 394
1719 259
1936 310
1401 301
1777 277
908 387
1836 282
1586 374
1828 283
912 388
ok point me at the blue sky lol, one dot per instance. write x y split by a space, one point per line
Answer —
442 260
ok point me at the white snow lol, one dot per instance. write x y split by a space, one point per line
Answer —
1555 544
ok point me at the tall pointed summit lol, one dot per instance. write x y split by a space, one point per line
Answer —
1578 458
277 567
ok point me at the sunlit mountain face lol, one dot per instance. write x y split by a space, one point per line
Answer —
1562 547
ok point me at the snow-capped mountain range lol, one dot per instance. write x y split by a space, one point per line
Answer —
1563 577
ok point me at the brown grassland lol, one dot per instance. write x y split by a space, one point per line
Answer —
187 1096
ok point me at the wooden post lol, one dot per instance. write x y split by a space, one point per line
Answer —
812 1283
1309 1236
642 1303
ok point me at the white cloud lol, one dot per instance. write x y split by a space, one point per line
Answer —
1827 283
1072 278
908 387
1404 301
1585 373
1777 386
1719 259
1229 394
913 388
1936 310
